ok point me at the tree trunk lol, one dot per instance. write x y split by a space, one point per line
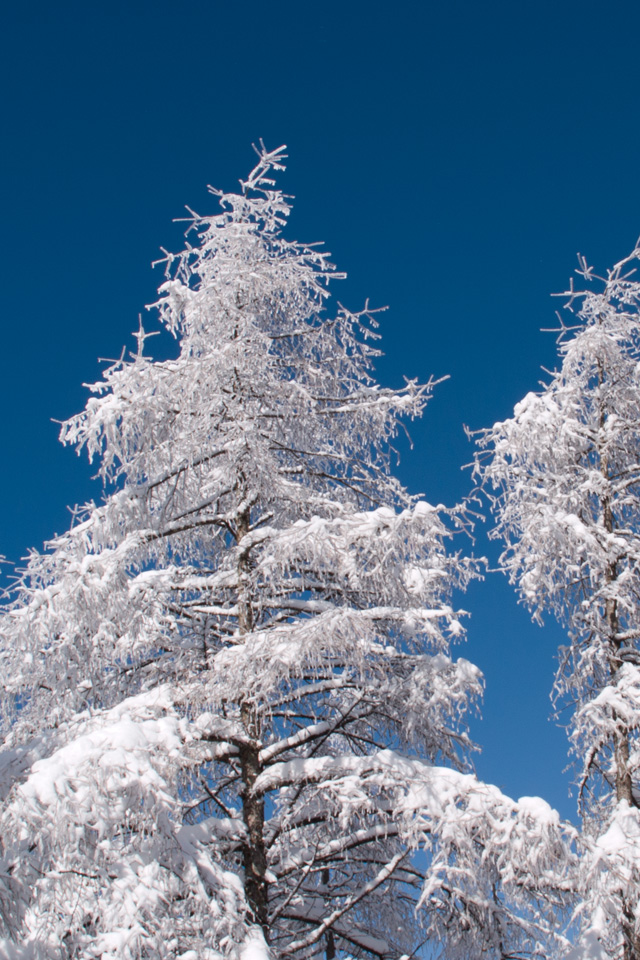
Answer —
631 944
621 736
254 853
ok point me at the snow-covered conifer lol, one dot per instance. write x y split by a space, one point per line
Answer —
231 715
565 472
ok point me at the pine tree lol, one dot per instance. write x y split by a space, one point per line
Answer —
231 714
565 472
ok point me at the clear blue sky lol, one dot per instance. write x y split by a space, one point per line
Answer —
454 158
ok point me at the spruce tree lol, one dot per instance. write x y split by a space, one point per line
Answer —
565 475
231 715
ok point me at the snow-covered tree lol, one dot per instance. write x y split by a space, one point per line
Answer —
232 721
565 472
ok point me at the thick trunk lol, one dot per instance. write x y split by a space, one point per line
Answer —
330 948
254 852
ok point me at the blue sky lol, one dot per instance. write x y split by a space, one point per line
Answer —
453 157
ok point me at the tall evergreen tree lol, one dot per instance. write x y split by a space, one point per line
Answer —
565 472
231 715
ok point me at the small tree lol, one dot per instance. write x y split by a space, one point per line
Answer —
566 475
231 715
